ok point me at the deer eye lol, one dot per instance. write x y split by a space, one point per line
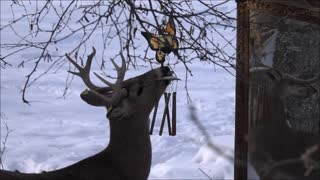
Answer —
272 76
140 90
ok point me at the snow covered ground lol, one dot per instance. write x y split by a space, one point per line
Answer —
55 132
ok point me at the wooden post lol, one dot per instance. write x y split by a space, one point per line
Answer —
242 92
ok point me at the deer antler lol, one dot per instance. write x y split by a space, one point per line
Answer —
118 91
84 74
121 71
285 76
293 79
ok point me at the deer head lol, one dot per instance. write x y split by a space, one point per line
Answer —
124 96
269 89
283 83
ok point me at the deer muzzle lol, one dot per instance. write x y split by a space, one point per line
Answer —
168 75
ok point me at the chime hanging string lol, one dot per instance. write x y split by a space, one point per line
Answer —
173 122
166 111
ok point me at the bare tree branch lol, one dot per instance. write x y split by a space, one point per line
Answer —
4 142
50 25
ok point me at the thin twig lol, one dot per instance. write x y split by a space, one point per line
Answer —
4 142
205 173
120 23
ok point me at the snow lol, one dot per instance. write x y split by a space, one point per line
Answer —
57 132
54 132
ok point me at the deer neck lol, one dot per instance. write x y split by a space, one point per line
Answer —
130 145
134 128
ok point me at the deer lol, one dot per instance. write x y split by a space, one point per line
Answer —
128 103
276 150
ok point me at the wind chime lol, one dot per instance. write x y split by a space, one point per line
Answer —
164 43
171 122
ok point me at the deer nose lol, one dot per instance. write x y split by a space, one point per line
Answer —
166 71
313 89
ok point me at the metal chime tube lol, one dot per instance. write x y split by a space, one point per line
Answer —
174 113
168 114
154 117
165 113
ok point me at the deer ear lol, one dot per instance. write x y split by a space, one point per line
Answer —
274 74
119 111
115 113
91 98
302 91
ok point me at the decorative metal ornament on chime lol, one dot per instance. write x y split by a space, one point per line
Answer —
164 43
293 28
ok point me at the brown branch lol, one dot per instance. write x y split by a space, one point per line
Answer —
120 23
41 56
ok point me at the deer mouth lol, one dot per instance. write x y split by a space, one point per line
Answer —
170 78
168 75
